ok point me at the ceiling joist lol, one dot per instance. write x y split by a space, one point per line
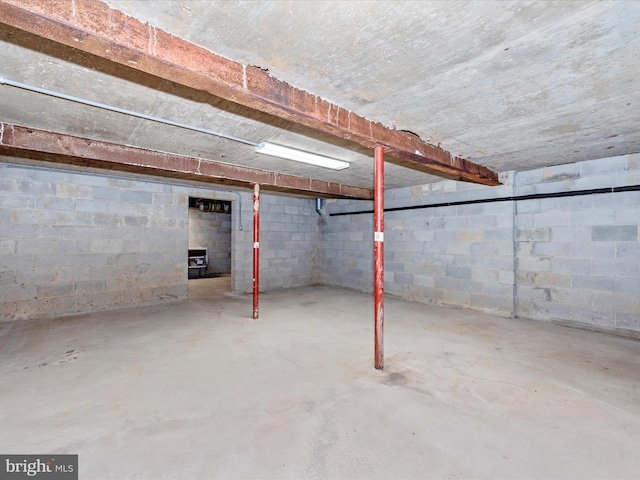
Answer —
92 27
20 141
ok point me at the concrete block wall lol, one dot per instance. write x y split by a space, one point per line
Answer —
448 255
346 246
212 230
241 227
74 243
289 237
578 258
572 260
458 255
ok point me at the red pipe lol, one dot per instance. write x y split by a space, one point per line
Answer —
378 257
256 248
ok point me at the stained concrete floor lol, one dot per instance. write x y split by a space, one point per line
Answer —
200 390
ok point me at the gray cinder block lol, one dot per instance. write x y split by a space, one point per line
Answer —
619 233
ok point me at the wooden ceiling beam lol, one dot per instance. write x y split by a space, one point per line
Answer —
93 27
25 142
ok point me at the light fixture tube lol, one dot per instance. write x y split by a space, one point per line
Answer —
281 151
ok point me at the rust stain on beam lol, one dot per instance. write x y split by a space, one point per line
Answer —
62 148
93 27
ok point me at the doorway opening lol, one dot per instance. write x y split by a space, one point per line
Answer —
209 247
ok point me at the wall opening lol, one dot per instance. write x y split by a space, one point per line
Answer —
209 255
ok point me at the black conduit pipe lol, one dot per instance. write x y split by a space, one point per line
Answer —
534 196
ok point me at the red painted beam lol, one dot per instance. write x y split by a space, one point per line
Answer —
93 27
378 257
256 249
58 147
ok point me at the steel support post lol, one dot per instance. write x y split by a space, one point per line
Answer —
256 248
378 256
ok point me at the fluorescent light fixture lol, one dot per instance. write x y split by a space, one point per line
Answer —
280 151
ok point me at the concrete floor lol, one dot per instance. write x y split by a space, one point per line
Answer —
199 390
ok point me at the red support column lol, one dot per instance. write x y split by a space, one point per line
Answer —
256 247
378 256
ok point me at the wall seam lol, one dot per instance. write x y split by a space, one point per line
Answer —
514 237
